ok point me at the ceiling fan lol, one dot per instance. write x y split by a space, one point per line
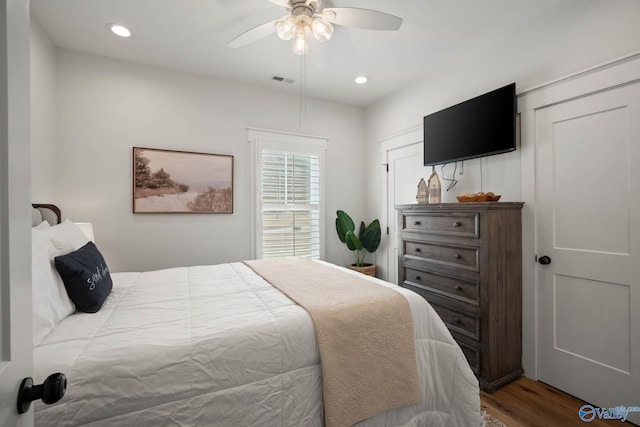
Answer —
307 16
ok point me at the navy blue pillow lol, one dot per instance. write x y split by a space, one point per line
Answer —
86 276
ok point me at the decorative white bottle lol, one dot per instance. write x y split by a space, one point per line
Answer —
435 190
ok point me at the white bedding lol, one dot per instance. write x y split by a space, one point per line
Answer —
218 346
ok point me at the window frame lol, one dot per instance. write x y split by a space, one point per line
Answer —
261 139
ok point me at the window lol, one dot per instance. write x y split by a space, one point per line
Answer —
288 205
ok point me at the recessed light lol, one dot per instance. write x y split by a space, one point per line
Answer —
119 30
362 80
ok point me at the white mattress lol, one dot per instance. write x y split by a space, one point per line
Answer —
218 346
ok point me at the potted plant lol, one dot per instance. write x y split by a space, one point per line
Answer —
367 240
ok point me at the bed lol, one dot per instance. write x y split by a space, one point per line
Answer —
218 345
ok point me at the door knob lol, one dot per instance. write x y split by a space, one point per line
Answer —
50 391
544 260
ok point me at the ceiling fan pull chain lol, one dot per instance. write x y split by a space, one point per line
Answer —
303 89
302 76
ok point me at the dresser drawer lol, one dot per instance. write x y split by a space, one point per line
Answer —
454 287
460 224
473 357
459 256
460 322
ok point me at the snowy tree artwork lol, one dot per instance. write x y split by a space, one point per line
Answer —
169 181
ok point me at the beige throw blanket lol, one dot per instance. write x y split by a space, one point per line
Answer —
364 333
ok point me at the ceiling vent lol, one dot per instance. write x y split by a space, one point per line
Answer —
282 79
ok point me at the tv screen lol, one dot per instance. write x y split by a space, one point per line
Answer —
481 126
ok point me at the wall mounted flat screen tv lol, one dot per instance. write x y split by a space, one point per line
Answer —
482 126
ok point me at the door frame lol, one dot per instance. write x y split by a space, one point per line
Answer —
16 343
410 136
619 72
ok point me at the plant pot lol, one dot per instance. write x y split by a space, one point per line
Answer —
368 269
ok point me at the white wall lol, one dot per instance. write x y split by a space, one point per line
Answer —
43 115
596 36
105 107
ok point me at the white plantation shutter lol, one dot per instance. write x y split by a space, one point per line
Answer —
289 196
290 205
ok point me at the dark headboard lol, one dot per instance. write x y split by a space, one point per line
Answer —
45 212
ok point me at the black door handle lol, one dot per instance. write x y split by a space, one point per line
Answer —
544 260
50 391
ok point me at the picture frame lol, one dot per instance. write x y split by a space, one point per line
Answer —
172 181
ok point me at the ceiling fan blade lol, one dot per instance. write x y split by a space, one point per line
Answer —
365 19
283 3
254 34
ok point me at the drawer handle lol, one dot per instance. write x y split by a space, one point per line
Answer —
458 288
418 278
418 250
458 256
418 223
456 224
457 320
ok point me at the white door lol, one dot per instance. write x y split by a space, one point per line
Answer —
405 170
16 358
588 220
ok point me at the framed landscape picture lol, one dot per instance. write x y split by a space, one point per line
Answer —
169 181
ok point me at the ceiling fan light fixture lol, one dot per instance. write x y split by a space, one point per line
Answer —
285 28
308 16
300 45
321 30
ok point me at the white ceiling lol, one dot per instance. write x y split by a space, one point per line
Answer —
192 36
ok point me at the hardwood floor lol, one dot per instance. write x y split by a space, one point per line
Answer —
529 403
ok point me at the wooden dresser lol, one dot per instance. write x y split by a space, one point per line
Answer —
466 260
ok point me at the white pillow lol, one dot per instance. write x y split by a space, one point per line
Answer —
50 301
66 237
42 225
